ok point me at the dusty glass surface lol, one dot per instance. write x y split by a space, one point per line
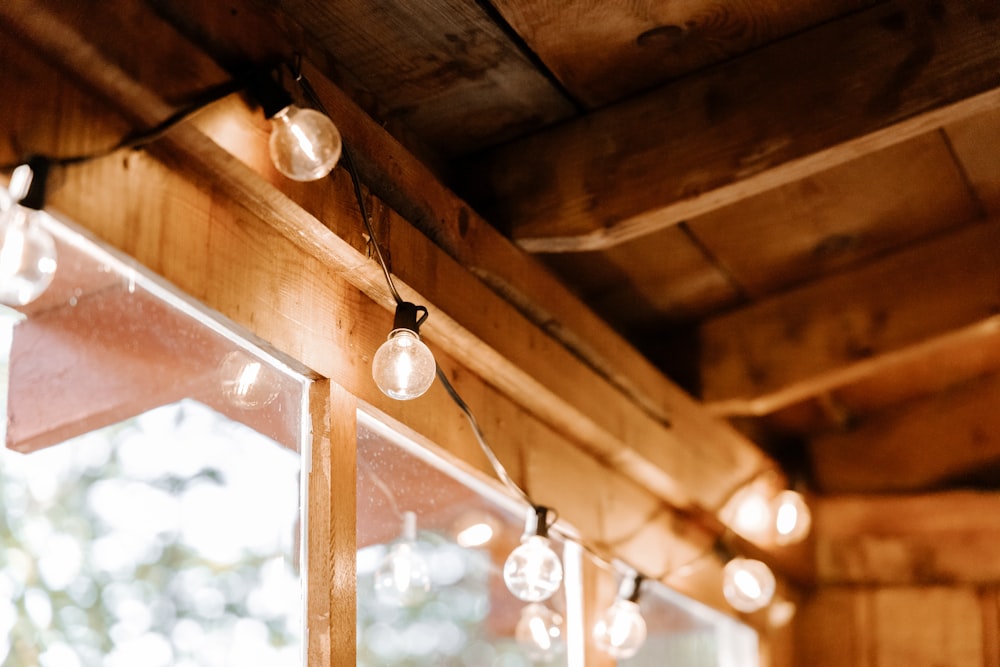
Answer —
685 633
464 615
150 486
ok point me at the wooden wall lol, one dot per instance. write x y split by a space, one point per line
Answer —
892 626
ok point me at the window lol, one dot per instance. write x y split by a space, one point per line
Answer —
465 616
151 488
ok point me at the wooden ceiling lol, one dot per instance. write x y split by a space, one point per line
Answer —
793 208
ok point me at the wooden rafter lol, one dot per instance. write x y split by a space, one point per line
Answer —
937 297
854 85
919 445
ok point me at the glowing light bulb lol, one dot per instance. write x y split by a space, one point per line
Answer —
621 632
305 144
403 367
792 518
751 513
27 250
403 578
748 585
533 571
539 631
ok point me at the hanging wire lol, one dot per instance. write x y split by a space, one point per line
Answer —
501 472
498 467
352 170
140 138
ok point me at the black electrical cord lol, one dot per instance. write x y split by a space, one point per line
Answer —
140 138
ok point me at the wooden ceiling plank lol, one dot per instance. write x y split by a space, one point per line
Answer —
853 325
915 446
602 50
607 422
833 93
465 85
903 540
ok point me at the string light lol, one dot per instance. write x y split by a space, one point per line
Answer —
748 584
539 632
403 578
533 571
27 250
621 631
305 145
792 518
404 367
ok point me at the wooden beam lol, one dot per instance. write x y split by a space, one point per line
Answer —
409 187
261 256
646 43
732 131
914 446
331 597
939 296
908 540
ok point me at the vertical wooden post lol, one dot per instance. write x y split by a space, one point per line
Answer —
331 528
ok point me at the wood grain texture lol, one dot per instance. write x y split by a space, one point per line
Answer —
456 79
854 324
643 284
919 445
976 142
901 540
684 150
221 231
839 218
603 51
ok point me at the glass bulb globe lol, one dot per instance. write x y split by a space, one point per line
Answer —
792 518
305 144
27 256
748 585
403 367
403 578
539 632
533 571
621 632
246 382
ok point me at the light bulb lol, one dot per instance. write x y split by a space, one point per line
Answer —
403 578
305 144
403 367
751 513
539 631
792 518
27 250
533 571
748 585
621 631
246 382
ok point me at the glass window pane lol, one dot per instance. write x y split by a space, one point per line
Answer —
151 484
685 633
462 614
